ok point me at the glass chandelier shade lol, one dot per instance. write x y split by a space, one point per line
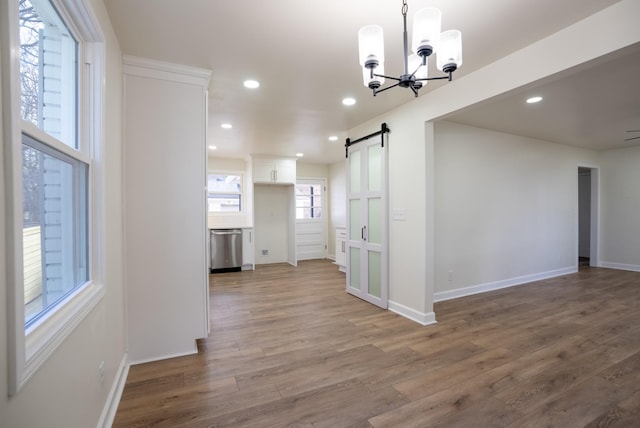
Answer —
449 50
371 46
427 23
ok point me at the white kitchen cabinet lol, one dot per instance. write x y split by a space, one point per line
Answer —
341 248
248 249
274 170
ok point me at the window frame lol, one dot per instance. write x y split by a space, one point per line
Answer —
240 194
322 196
29 348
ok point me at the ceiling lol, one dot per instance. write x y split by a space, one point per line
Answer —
304 54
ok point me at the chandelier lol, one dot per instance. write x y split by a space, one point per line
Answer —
427 40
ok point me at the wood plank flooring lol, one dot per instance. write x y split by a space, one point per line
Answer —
289 347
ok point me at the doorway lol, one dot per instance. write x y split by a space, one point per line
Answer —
588 219
311 221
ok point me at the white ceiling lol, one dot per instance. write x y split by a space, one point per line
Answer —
305 55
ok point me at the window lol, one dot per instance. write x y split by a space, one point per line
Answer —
55 175
48 71
54 184
55 251
224 193
308 201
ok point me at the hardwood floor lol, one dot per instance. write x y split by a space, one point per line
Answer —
289 347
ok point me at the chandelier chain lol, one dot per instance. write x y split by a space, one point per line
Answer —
405 8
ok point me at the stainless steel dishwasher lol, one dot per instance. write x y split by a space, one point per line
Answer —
225 247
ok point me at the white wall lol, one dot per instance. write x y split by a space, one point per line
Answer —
226 164
272 209
506 207
338 202
311 170
65 391
165 207
620 212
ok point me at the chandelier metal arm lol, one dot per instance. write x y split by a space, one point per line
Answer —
386 77
449 77
377 91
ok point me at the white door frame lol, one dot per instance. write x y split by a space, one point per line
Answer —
594 250
324 211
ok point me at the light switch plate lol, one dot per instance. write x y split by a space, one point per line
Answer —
399 214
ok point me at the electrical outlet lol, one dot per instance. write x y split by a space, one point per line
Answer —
101 373
265 252
450 276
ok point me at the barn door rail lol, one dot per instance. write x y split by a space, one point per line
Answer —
383 130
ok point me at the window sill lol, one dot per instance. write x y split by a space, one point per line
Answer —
44 337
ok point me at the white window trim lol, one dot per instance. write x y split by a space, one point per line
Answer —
243 192
29 349
313 181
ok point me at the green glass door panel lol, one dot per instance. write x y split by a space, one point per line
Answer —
374 221
354 172
355 224
354 268
374 286
375 168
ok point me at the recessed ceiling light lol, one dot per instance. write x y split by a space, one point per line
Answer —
299 154
333 138
226 126
212 147
349 101
251 84
534 100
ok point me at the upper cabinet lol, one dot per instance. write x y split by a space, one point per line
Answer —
274 170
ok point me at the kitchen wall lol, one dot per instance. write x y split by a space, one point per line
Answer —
311 170
258 217
272 204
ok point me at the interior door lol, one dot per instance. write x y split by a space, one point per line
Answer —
367 222
310 219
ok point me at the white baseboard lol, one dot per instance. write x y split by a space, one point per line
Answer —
620 266
113 399
412 314
511 282
164 357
